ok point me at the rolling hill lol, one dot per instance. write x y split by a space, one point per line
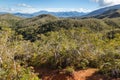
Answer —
113 13
9 20
102 10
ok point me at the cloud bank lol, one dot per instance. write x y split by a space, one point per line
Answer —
65 9
24 5
103 3
32 9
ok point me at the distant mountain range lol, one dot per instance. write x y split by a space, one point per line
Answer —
70 13
57 14
61 14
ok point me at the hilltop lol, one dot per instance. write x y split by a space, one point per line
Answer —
113 13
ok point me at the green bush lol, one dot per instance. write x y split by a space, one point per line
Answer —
69 70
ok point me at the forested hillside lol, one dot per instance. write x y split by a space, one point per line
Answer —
55 43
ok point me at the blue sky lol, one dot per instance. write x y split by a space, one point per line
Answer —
30 6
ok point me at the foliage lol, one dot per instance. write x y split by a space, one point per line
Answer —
69 70
47 41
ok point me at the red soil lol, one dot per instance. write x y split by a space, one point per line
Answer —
88 74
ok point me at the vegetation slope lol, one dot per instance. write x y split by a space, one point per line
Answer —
57 43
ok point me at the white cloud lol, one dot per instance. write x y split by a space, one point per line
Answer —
65 9
28 10
25 8
7 9
32 10
107 2
24 5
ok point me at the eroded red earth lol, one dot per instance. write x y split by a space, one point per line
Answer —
88 74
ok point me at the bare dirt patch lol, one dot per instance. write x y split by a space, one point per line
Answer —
88 74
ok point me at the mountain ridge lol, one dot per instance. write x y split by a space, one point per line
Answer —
57 14
66 14
102 10
113 13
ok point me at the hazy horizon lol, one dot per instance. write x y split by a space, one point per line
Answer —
31 6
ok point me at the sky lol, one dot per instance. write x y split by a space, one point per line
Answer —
31 6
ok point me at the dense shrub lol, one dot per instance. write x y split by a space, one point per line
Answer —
46 41
69 70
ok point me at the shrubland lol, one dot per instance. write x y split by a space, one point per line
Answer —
54 43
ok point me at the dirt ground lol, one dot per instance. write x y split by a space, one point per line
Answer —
88 74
